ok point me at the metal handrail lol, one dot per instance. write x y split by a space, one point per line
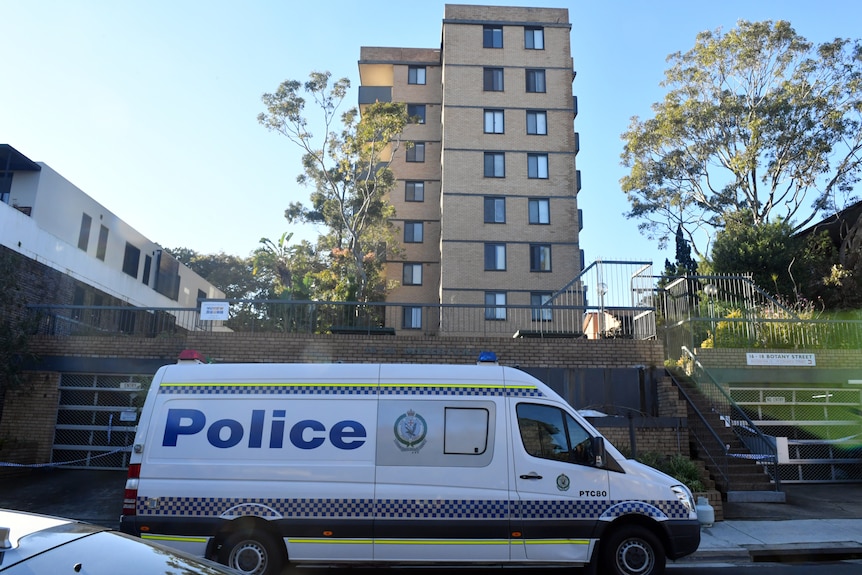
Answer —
720 467
733 409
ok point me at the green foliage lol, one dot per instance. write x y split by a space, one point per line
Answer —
730 334
231 274
350 176
684 265
756 121
677 466
767 251
273 259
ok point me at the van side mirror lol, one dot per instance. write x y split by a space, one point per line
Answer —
598 450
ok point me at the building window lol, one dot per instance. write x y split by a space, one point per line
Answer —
412 317
416 74
102 247
540 211
414 191
537 123
167 275
96 314
148 264
495 210
494 121
537 166
416 152
535 80
493 80
412 275
84 234
539 311
492 37
534 38
495 257
412 232
78 300
540 258
495 305
495 165
131 260
5 186
416 113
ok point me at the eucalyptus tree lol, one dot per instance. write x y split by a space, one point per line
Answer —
756 122
349 172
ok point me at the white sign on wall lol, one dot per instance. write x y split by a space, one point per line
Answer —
786 359
215 310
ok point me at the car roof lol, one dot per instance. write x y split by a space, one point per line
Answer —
23 534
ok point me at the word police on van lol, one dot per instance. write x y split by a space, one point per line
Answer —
258 465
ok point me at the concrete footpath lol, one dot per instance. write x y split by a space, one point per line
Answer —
817 522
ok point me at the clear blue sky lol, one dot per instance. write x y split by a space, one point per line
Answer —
150 107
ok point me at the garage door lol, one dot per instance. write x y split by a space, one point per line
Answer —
96 419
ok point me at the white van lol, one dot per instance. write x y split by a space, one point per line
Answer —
257 465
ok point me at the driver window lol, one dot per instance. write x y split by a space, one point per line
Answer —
550 433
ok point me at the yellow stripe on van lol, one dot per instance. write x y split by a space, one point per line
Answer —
178 538
337 384
262 384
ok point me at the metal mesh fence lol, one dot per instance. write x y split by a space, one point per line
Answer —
822 428
96 419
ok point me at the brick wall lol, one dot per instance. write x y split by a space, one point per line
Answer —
29 417
303 348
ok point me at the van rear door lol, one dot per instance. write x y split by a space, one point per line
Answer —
558 488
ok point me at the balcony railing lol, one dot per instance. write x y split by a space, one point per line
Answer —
280 316
731 312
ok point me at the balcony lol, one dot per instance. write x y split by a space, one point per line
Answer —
372 94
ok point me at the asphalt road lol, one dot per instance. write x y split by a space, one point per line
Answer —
94 496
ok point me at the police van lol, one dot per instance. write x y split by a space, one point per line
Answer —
258 465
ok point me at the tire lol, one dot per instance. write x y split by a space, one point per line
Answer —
253 553
632 550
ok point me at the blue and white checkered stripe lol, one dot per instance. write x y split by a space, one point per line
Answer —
409 508
442 509
234 507
343 389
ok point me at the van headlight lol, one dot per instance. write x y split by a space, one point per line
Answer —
685 497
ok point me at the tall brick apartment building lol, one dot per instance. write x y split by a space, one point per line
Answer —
487 194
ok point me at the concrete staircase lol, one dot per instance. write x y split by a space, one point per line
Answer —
737 476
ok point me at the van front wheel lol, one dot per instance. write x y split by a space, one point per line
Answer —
632 550
252 553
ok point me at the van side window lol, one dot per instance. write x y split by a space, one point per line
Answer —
466 431
550 433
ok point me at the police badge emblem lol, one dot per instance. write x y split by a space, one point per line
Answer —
410 431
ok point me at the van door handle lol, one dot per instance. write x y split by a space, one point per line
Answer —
531 475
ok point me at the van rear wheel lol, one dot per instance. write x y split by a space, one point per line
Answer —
253 553
632 550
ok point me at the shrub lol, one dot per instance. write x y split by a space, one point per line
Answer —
677 466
